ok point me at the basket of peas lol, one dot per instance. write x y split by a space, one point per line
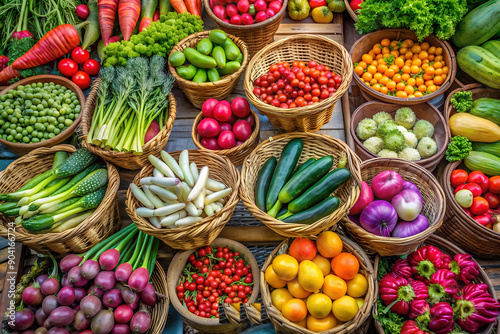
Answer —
39 111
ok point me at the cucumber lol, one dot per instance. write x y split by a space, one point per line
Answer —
320 190
491 148
230 68
263 180
480 64
77 162
492 46
213 75
305 178
284 170
219 56
487 108
177 59
232 50
201 76
304 165
217 36
313 214
204 46
487 163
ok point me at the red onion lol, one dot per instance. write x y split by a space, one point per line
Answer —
69 261
123 271
29 331
40 317
379 218
123 314
61 316
109 259
41 278
112 298
120 329
32 296
75 277
81 322
79 294
49 304
134 305
95 291
240 107
140 322
76 308
65 281
41 330
50 286
87 331
148 295
139 279
405 229
410 185
365 198
66 296
58 330
408 204
387 184
90 305
90 269
105 280
354 219
103 322
129 296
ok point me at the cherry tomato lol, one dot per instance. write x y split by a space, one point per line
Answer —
80 55
312 64
81 79
458 177
474 188
338 79
479 178
67 67
494 184
92 67
493 200
484 219
479 206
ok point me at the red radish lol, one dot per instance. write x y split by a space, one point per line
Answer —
49 304
123 314
225 127
128 15
32 296
240 107
90 269
222 111
95 291
138 279
220 12
75 277
210 143
250 119
226 21
105 280
140 322
123 271
81 322
23 319
242 130
208 107
239 142
148 295
231 10
79 294
260 16
246 19
243 6
275 5
270 12
103 322
232 119
69 261
208 127
82 11
236 20
112 298
66 296
90 305
260 6
109 259
120 329
226 140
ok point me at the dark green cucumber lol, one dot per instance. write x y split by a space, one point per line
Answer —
77 162
263 181
320 190
282 211
284 170
304 165
305 178
313 214
38 222
491 148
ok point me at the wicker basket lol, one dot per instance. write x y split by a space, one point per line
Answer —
232 314
423 111
315 146
205 325
300 47
253 314
257 35
101 224
366 42
21 148
433 208
236 154
197 93
159 312
352 14
205 231
127 160
450 249
283 325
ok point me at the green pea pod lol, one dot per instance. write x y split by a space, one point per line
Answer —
240 58
198 59
217 36
231 49
187 72
204 46
219 56
177 59
213 75
230 68
201 75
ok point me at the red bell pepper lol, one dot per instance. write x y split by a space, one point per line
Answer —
411 327
396 292
425 261
464 266
441 318
419 308
475 307
402 268
317 3
355 4
443 284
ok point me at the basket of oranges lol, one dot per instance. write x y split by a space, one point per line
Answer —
392 66
322 284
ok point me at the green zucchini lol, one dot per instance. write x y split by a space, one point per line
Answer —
204 46
304 165
284 170
305 178
491 148
492 46
263 180
487 163
480 64
320 190
77 162
282 211
487 108
313 214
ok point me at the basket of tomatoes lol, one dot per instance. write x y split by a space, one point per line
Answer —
322 284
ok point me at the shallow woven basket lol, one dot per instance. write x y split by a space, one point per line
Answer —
366 43
236 154
253 315
315 146
101 224
159 312
197 93
450 249
356 325
206 325
423 111
433 209
205 231
21 148
232 314
127 160
352 14
302 47
257 35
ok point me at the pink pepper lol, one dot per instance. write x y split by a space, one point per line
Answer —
464 266
442 285
419 308
411 327
402 268
397 293
425 261
441 318
475 307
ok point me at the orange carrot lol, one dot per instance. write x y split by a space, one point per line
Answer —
198 5
9 73
128 15
107 14
192 7
148 11
54 44
179 6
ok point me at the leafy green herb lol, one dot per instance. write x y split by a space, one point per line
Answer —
19 47
390 321
458 149
462 101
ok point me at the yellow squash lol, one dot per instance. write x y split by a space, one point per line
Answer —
310 276
474 128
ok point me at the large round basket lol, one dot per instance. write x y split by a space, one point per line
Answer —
256 35
197 93
302 47
315 146
452 250
356 325
206 325
366 43
101 224
21 148
127 160
159 312
352 13
236 154
205 231
423 111
433 208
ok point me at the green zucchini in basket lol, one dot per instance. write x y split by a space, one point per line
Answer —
491 148
263 181
305 164
78 161
487 163
313 214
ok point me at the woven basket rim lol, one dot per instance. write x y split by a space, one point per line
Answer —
432 109
310 109
224 80
393 99
62 135
352 14
161 277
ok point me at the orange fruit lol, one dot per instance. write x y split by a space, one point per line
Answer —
408 55
405 77
397 77
322 324
322 262
385 42
389 73
416 48
405 69
417 62
273 279
386 51
432 50
367 58
285 266
401 93
280 297
411 81
384 80
382 68
418 94
363 65
408 42
329 244
439 51
423 55
294 310
367 76
391 85
415 69
359 70
384 90
302 323
438 80
425 46
296 290
334 287
345 266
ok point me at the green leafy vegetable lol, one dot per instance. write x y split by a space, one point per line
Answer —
19 47
462 101
458 149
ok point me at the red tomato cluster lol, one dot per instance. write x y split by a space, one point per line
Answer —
212 276
69 67
485 192
296 86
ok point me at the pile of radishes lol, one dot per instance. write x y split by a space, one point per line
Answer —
225 125
245 12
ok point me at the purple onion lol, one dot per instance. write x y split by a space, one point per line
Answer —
121 329
408 204
40 317
32 295
50 286
103 322
139 279
354 219
23 319
58 330
122 272
75 277
65 281
81 322
405 229
140 322
66 296
410 185
379 217
123 314
76 308
109 259
41 278
61 316
49 304
69 261
105 280
95 291
90 269
148 295
90 305
112 298
79 294
129 296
